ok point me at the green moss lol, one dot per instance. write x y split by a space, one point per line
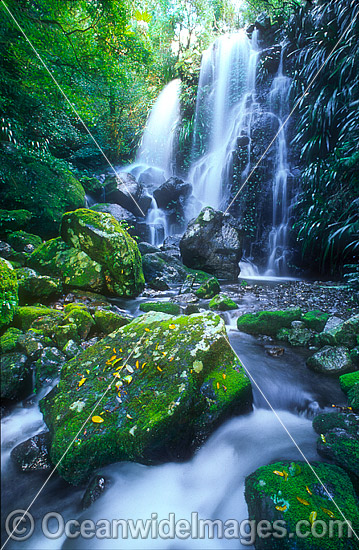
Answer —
79 316
265 492
208 289
353 397
33 286
165 307
19 240
12 220
158 409
101 237
26 315
347 381
268 322
8 292
221 302
344 334
315 320
9 340
107 321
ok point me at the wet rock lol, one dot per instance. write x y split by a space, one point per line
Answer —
107 321
208 289
345 334
119 213
8 292
190 309
101 237
315 320
127 192
93 491
33 342
284 497
212 243
350 385
33 454
331 360
185 299
188 284
147 248
268 322
33 286
5 250
171 246
274 351
48 366
263 22
164 307
71 349
171 196
9 341
222 302
15 376
159 284
182 380
171 271
297 335
23 242
74 267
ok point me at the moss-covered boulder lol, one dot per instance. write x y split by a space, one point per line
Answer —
108 321
339 439
78 314
8 292
74 267
165 307
331 360
298 335
21 241
15 376
106 242
343 334
33 286
347 381
33 342
268 322
208 289
9 341
222 302
26 315
13 220
315 320
48 366
292 492
167 383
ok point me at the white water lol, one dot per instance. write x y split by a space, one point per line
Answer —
224 108
157 223
278 237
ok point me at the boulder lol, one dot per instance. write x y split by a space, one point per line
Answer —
222 302
9 341
74 267
108 321
208 289
33 454
167 269
315 320
27 315
23 242
297 335
147 248
117 211
331 360
94 490
172 191
16 378
48 366
345 333
8 292
13 220
292 492
101 237
172 381
268 322
33 286
128 193
78 315
33 342
164 307
350 385
71 349
212 243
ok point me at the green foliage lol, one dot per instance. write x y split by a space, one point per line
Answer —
328 132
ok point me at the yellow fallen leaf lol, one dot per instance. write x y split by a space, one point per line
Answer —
285 475
137 364
172 326
322 437
170 359
158 368
328 512
114 351
302 501
281 508
308 490
129 416
143 364
112 358
277 473
97 419
129 369
82 381
312 517
128 379
116 374
224 376
147 329
117 360
217 385
87 371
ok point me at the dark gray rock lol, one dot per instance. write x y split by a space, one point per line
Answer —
171 191
48 366
147 248
93 491
33 454
126 191
332 360
15 376
117 211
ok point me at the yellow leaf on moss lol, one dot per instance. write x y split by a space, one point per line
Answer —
328 512
281 508
302 501
97 419
82 381
312 517
171 326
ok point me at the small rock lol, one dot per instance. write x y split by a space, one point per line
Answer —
93 491
33 454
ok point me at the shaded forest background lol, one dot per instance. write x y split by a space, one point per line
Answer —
111 59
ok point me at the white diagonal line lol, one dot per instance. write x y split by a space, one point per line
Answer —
71 105
71 443
297 446
292 111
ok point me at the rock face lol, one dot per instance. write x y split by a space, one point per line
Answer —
74 267
15 376
291 492
332 360
173 380
8 292
117 211
101 237
268 322
212 243
171 196
125 191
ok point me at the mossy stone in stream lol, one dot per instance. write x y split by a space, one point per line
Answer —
21 241
48 366
9 341
26 315
331 360
108 321
167 376
208 289
222 302
315 320
12 220
343 334
100 236
15 376
291 492
77 314
74 267
268 322
8 292
33 286
165 307
347 381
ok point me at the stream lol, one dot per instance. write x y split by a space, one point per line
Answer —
210 484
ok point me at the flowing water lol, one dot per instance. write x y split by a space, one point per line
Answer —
211 484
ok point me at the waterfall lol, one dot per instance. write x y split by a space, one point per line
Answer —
156 220
278 237
224 107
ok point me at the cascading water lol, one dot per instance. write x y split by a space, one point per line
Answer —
157 222
278 237
224 107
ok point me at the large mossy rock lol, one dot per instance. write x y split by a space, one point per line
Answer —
106 242
172 381
343 334
8 292
47 192
75 268
9 341
350 385
161 267
213 243
27 315
291 492
315 320
268 322
33 286
21 241
13 220
332 360
164 307
15 376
